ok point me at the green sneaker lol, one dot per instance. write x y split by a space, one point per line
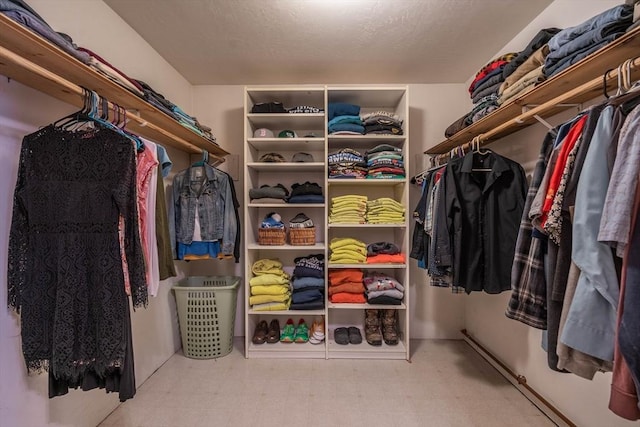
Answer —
288 332
302 332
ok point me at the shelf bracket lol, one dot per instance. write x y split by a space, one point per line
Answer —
548 125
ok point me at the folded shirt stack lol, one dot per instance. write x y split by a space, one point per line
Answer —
24 15
160 102
385 162
383 289
490 77
483 107
308 192
112 73
345 286
304 109
344 119
270 286
348 209
347 163
308 283
384 253
525 77
384 211
575 43
382 123
269 193
346 250
518 74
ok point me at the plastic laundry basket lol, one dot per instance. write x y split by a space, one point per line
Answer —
206 314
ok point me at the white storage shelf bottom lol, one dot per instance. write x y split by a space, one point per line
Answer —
365 351
287 350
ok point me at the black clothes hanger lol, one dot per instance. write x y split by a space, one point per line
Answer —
80 115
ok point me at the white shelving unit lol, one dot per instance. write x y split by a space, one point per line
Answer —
260 173
370 99
392 99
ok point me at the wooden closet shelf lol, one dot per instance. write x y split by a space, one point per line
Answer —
510 118
28 58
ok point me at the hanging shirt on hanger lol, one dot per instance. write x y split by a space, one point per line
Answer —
483 211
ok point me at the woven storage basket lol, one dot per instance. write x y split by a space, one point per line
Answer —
302 236
272 236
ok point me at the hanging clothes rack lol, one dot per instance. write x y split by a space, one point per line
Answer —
33 61
620 76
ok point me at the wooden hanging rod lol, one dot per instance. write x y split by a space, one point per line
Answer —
20 69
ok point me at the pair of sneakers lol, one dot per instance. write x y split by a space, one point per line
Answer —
317 331
291 333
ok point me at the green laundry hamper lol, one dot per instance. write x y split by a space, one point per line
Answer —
206 314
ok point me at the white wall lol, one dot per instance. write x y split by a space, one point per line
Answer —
435 312
222 107
24 400
519 346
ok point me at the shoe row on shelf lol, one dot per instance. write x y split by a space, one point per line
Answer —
290 333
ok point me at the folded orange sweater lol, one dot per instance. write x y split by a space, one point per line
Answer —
346 298
385 258
349 287
337 277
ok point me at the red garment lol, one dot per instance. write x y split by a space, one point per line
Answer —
337 277
95 55
344 297
623 400
349 287
486 70
386 259
568 144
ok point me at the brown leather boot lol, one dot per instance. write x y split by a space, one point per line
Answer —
390 326
372 327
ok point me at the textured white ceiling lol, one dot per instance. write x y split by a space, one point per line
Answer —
327 41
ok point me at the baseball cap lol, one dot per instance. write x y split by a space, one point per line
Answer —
302 158
287 134
272 158
263 133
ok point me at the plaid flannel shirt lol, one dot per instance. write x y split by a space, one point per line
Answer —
528 302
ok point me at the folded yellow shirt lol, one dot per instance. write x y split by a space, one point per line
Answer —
337 242
263 266
272 306
355 197
268 279
350 254
269 290
348 203
345 259
343 209
261 299
351 248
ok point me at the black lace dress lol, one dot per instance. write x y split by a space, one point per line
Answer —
65 274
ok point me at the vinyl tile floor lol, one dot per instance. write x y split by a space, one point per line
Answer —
446 384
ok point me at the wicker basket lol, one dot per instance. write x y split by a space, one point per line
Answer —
302 236
272 236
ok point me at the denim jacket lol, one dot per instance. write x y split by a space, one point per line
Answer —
207 189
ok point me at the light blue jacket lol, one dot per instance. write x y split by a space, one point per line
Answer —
591 321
